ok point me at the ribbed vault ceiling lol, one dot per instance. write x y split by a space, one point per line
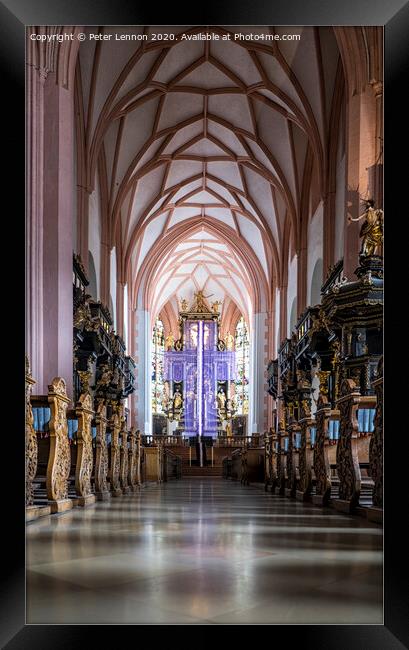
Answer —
213 132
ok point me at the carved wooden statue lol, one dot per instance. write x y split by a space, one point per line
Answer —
124 458
31 440
376 443
132 461
349 473
83 469
321 463
101 455
115 464
59 460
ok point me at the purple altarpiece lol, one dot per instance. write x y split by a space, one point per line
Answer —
200 364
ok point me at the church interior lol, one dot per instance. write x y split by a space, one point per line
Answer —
204 333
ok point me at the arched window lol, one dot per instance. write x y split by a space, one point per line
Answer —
158 349
241 346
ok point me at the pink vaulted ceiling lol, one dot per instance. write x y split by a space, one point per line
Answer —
214 131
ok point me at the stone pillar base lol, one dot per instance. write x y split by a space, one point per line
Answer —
126 490
116 493
60 505
302 496
288 492
342 505
86 501
103 496
33 512
134 489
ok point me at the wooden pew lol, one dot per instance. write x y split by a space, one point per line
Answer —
292 460
305 482
351 451
114 459
133 460
34 507
53 461
321 456
81 451
102 492
124 457
376 447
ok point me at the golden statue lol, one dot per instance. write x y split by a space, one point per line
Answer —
228 430
221 399
177 401
215 306
200 305
229 340
169 341
371 230
184 306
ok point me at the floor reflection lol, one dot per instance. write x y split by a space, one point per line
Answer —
203 551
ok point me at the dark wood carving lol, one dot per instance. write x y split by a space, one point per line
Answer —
376 442
347 449
321 463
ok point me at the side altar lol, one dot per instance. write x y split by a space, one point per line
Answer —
198 369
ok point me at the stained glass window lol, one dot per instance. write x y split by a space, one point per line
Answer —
157 383
241 345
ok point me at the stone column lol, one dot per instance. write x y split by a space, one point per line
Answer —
58 192
360 157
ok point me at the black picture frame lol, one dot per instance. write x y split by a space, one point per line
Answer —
394 16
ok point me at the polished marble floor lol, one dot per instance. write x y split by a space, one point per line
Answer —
203 551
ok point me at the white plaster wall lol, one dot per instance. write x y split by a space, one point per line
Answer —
125 317
315 245
291 290
339 210
94 235
257 367
277 321
112 283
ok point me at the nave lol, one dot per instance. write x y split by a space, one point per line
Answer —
204 551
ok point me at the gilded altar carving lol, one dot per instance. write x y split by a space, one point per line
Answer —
114 473
83 470
349 473
31 440
59 459
321 462
376 442
101 455
124 456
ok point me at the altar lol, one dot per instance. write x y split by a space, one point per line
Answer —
199 370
